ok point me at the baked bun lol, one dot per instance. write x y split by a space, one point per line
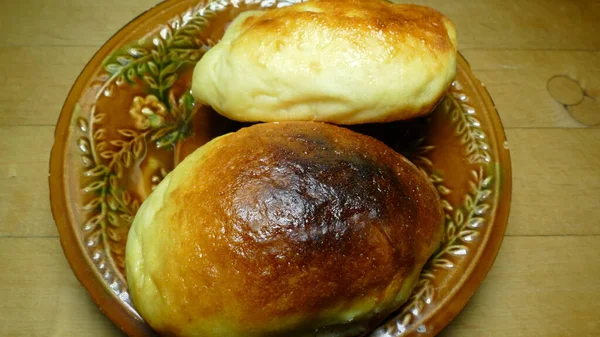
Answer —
282 229
337 61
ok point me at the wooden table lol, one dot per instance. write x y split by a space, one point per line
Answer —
546 279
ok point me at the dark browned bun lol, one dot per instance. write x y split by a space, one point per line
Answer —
282 229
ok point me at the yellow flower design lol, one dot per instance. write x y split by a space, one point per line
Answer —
147 112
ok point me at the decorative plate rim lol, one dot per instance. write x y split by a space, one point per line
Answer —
131 323
476 272
73 249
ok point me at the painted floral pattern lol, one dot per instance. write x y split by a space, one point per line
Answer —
147 112
160 116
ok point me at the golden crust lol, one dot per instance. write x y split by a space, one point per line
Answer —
356 20
339 61
279 229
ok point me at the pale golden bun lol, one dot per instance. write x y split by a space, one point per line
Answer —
337 61
282 229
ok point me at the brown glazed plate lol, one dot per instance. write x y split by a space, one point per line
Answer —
129 119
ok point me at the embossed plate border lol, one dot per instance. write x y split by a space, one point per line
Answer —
128 320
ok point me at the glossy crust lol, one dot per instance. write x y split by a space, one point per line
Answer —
339 61
282 229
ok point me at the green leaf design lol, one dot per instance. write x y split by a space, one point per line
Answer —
153 68
137 52
91 205
96 171
168 140
151 82
113 68
131 74
168 82
188 102
96 185
152 64
124 60
127 133
92 223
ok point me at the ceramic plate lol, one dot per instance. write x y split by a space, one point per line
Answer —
129 119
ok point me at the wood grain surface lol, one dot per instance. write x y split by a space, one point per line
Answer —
546 278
